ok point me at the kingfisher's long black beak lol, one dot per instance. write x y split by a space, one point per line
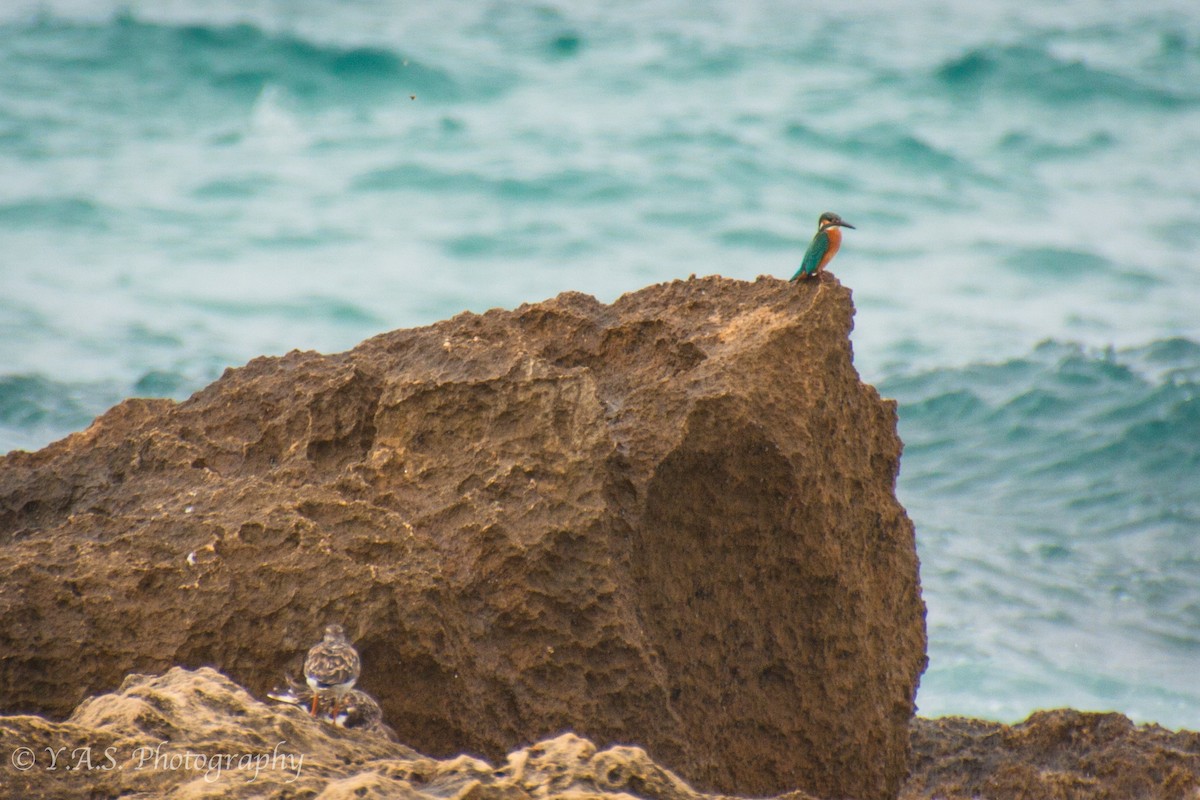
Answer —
845 224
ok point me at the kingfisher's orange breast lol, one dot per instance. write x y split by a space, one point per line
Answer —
835 241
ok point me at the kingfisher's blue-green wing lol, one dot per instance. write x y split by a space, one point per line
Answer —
812 257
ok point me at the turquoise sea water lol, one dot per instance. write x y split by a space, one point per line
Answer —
184 186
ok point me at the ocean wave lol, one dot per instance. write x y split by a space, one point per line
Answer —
1062 416
1056 263
759 238
540 239
1174 360
690 59
1056 510
902 146
235 188
54 212
34 408
1034 146
573 185
128 57
1033 69
1098 444
316 308
897 146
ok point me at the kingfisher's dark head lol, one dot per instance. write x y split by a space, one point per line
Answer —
829 219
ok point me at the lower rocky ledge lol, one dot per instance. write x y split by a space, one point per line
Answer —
1053 755
197 734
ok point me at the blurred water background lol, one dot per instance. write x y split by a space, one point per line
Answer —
184 186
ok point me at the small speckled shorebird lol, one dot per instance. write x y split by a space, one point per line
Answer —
331 666
358 710
824 245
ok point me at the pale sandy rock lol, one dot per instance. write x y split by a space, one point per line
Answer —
197 735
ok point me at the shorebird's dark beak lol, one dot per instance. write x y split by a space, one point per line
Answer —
845 224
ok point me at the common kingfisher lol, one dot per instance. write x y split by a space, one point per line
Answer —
824 245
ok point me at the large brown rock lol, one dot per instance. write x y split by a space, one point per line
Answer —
668 521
